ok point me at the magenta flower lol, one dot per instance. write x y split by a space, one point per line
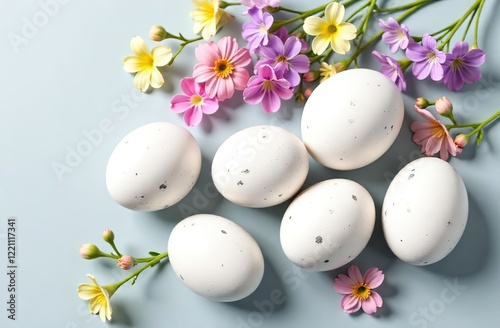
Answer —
284 57
358 290
222 67
395 36
391 69
194 102
255 32
427 58
433 136
268 88
462 66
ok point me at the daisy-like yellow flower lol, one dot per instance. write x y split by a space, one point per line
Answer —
207 17
327 70
330 30
99 297
145 64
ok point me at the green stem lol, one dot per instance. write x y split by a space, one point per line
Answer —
469 23
484 123
136 274
288 10
476 29
348 19
183 44
460 126
459 23
112 243
303 15
402 7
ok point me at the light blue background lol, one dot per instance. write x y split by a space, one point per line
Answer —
67 78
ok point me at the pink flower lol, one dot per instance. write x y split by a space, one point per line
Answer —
126 262
433 136
194 102
222 67
267 88
358 290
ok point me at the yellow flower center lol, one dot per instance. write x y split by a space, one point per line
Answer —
361 291
267 85
196 100
263 28
281 59
437 130
223 68
457 63
332 28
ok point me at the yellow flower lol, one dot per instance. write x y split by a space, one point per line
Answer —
331 30
207 17
99 297
326 70
145 63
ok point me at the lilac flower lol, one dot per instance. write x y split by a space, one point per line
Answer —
267 88
391 69
427 58
282 33
462 66
261 4
255 32
395 36
284 57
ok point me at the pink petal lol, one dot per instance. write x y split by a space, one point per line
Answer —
203 73
211 87
341 287
187 85
253 94
377 298
271 102
369 306
207 53
225 89
355 274
425 113
374 277
210 106
180 103
193 116
350 304
227 46
346 280
241 58
240 78
433 145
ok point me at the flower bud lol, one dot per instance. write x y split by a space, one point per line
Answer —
108 236
90 251
126 262
158 33
422 103
443 106
299 97
461 140
311 76
307 92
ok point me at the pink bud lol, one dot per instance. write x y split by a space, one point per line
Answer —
422 103
307 92
158 33
90 251
126 262
108 236
443 106
461 140
311 76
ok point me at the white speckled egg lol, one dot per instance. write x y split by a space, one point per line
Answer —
328 225
352 119
215 257
153 167
260 166
425 211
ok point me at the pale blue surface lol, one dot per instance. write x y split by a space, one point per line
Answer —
67 78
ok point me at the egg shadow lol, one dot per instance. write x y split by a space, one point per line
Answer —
203 197
472 251
270 291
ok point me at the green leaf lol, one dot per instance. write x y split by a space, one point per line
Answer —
134 279
480 136
154 253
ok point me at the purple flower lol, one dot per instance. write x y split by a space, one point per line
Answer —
395 36
284 57
427 58
462 66
261 4
267 88
255 32
391 69
282 33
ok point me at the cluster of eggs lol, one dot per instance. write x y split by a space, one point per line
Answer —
348 122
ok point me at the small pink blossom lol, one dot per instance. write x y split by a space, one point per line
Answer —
194 102
358 290
443 106
433 136
222 67
126 262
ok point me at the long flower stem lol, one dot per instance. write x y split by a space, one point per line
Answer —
303 15
484 123
402 7
136 274
476 29
183 44
459 23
